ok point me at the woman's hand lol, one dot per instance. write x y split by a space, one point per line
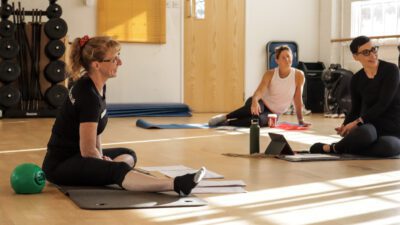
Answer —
255 108
304 124
106 158
339 129
345 129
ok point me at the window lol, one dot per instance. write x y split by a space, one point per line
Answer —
375 17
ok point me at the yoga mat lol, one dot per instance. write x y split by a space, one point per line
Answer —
340 157
148 109
147 125
290 126
100 198
290 158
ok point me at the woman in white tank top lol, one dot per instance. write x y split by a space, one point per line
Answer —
276 91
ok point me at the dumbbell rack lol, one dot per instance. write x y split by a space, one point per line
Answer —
33 80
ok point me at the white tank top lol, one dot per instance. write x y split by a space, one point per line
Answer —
280 92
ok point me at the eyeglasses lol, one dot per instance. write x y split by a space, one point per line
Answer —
113 60
368 52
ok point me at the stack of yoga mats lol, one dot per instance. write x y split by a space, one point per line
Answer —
148 109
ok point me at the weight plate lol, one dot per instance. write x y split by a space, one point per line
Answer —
55 71
54 11
6 11
55 49
56 28
9 96
9 71
56 95
7 28
8 48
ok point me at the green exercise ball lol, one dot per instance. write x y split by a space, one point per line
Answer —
27 178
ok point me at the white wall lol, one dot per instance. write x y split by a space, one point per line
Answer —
150 72
271 20
153 73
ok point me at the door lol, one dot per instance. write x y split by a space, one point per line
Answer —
214 55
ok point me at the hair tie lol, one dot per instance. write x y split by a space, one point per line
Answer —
83 40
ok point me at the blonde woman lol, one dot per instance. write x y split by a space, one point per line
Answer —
74 154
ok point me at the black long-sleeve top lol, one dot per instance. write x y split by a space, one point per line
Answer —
377 100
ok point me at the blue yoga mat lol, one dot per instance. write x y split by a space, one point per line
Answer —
146 125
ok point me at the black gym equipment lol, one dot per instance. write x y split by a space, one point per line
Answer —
55 71
55 49
9 71
9 96
54 11
8 48
337 89
313 94
7 28
30 87
56 95
56 28
5 10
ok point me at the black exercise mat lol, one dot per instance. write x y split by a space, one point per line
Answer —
97 198
291 158
334 157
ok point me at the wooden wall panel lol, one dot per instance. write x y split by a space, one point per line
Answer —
214 57
132 20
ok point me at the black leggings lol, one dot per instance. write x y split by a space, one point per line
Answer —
241 117
77 170
364 140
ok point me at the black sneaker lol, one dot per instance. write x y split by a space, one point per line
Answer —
183 185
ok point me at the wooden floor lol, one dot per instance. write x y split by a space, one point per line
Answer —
279 192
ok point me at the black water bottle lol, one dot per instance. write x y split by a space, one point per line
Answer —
254 137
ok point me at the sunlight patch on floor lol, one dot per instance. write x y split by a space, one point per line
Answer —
390 220
365 198
305 137
174 214
317 202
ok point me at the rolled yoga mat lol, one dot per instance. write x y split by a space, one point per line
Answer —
147 125
148 109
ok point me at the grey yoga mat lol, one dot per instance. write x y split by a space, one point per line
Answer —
97 198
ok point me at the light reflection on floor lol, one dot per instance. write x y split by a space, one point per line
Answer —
363 199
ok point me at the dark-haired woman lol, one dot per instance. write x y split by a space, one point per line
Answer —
372 128
74 154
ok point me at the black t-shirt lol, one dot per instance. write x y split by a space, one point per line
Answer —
84 104
377 100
